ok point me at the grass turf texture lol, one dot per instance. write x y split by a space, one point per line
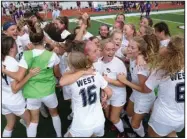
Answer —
45 127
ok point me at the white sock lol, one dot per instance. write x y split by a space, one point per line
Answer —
32 130
57 125
140 130
130 118
7 133
119 126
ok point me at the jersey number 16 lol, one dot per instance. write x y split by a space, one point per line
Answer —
88 95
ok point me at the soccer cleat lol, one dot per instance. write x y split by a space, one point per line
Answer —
23 122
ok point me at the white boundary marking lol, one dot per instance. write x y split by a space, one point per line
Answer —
136 14
130 14
102 22
168 21
178 13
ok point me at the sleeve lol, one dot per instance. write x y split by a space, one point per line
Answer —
23 63
55 60
152 81
142 71
102 81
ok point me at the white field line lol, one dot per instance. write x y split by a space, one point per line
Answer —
136 14
177 13
130 14
168 21
102 22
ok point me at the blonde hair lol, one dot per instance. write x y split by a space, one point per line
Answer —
148 30
114 32
104 42
153 45
173 61
79 61
133 27
142 45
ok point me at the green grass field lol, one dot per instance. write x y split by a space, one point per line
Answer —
174 20
45 128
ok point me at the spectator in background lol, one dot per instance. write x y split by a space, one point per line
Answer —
148 8
45 7
156 6
90 5
126 6
142 8
22 6
17 15
55 13
79 5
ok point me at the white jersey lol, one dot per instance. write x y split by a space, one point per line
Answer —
111 69
8 97
65 33
86 105
125 42
87 36
119 52
25 40
20 49
63 62
164 43
98 66
140 97
54 60
169 106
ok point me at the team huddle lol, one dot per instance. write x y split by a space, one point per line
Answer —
122 70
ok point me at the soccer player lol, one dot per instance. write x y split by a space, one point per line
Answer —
88 119
167 116
13 102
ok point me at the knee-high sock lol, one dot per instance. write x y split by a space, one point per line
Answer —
57 125
32 130
119 126
7 133
140 130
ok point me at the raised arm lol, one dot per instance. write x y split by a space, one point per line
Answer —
69 77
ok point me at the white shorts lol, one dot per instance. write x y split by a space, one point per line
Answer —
18 110
50 101
66 93
116 103
97 131
164 130
141 105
